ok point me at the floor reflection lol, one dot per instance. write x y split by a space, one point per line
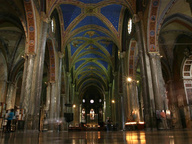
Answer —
136 138
98 137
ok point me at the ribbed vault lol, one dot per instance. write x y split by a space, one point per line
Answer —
92 32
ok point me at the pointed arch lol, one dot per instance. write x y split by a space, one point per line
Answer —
51 60
31 28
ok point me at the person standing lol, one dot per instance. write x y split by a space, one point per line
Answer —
9 118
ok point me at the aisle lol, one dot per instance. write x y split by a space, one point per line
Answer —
93 137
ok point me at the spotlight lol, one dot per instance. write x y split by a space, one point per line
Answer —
129 79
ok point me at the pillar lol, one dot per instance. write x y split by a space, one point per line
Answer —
80 113
58 110
52 114
115 98
25 100
157 87
48 93
76 114
23 81
63 110
107 101
14 96
76 103
10 96
124 95
176 121
129 100
39 73
155 79
104 108
144 82
134 100
67 87
73 98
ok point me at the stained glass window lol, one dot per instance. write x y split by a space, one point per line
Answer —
129 26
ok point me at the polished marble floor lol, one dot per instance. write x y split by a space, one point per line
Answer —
95 137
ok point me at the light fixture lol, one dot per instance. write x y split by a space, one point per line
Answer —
113 101
83 100
137 81
129 26
74 106
129 79
92 101
23 56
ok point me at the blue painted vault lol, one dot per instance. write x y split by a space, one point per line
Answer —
93 32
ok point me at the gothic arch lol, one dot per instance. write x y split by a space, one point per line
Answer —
31 26
52 65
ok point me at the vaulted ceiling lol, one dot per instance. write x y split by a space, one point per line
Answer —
92 37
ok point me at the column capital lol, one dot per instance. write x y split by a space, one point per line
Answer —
26 55
68 74
122 54
115 74
140 14
136 18
140 51
60 54
110 85
51 82
45 18
154 55
169 81
73 85
10 83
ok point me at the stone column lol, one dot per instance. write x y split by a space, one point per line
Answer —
76 103
134 100
25 101
67 87
63 110
52 114
142 55
75 114
14 96
129 100
108 111
29 64
47 106
80 113
124 95
10 92
176 121
157 87
39 74
109 100
23 81
59 84
3 86
122 112
104 108
114 97
73 99
155 79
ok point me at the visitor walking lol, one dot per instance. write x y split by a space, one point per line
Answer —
9 119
